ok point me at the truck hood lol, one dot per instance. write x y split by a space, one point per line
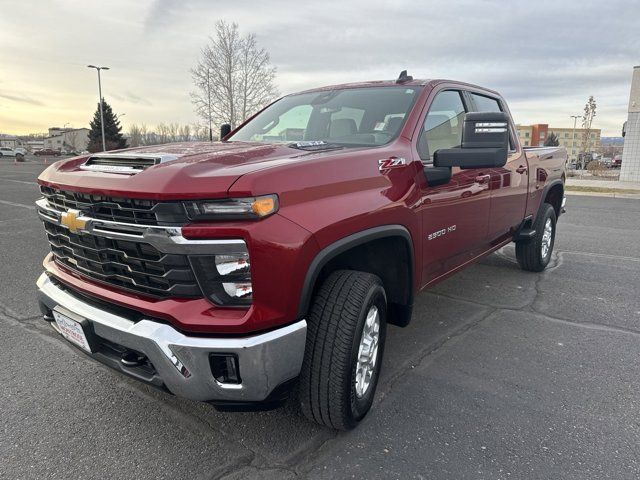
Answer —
195 170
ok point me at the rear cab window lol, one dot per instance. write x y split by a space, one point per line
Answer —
483 103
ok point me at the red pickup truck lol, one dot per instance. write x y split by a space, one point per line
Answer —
232 272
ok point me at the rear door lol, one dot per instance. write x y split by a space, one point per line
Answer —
455 216
508 183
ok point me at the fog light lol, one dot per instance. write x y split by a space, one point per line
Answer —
237 290
225 279
228 264
225 368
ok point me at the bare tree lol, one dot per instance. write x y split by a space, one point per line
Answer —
173 132
162 133
185 133
144 134
233 78
587 120
135 136
71 140
200 132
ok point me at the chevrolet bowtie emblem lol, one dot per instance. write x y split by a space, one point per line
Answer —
71 220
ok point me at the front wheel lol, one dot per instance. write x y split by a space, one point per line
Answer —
346 331
534 254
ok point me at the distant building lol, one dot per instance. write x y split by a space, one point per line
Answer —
33 145
536 135
70 139
630 169
10 141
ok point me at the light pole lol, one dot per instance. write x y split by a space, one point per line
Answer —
209 101
104 143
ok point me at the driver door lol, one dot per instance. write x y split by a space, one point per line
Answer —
455 216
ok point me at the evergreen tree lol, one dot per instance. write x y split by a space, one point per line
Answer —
552 140
112 130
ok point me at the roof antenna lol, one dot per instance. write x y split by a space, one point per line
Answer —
404 77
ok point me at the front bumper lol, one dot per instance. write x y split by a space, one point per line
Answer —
182 363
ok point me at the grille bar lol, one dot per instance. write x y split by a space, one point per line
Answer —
116 209
131 265
148 259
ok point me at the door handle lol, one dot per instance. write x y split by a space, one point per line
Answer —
482 178
521 169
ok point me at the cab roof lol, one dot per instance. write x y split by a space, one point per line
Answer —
395 83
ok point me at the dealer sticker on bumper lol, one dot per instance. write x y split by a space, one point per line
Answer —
71 330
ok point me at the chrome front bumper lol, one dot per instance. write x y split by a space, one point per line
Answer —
181 362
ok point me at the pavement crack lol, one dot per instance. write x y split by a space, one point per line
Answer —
304 460
419 358
229 469
588 325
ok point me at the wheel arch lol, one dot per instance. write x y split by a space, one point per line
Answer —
396 269
552 194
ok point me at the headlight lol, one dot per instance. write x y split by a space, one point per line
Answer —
224 279
233 208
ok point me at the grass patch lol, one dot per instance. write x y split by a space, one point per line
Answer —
581 188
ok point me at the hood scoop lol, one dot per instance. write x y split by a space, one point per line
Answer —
125 163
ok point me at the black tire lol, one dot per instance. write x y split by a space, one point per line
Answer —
328 394
530 252
19 157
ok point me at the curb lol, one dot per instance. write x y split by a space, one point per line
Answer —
601 194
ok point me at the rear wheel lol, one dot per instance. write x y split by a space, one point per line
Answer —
346 330
534 254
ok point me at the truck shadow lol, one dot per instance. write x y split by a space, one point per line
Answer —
284 437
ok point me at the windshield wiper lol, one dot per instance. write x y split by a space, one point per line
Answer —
314 145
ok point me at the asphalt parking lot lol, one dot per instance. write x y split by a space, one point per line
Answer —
502 374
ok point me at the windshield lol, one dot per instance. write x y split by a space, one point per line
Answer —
348 117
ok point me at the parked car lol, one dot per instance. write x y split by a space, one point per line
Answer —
616 162
49 152
10 152
229 272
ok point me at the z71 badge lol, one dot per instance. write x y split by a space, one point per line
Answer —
388 163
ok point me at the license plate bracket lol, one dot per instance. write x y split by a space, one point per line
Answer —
74 328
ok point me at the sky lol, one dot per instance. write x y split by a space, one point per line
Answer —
545 57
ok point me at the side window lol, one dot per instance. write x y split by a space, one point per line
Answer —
443 125
488 104
485 104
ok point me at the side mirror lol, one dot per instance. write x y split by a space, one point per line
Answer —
225 129
485 143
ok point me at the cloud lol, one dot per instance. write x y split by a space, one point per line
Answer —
545 57
131 98
20 99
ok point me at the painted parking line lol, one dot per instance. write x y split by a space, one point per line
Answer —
18 181
13 204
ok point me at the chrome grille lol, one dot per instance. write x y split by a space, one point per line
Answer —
131 265
115 209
